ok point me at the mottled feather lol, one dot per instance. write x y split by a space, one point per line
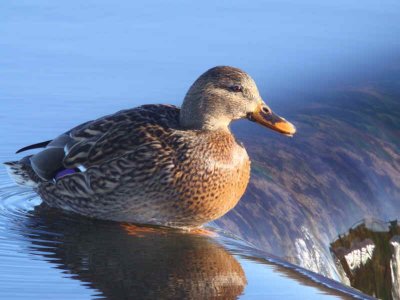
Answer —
154 164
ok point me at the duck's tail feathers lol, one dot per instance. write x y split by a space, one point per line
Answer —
34 146
22 173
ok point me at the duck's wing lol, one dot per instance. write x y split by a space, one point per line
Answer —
104 139
115 135
50 160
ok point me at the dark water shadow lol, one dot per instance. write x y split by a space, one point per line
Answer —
368 256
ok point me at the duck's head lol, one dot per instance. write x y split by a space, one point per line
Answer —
224 94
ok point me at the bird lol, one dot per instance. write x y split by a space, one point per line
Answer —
155 164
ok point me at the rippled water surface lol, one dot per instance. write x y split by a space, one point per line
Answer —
332 68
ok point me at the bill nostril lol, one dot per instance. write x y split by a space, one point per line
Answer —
266 110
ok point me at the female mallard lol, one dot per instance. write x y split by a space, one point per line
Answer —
155 164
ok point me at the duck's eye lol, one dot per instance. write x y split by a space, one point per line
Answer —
236 88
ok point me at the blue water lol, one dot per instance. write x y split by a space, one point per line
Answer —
48 255
134 52
65 63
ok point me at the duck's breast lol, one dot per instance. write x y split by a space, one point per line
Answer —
214 176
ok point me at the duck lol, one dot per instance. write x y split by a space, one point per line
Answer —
155 164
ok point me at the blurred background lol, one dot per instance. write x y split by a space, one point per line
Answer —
106 55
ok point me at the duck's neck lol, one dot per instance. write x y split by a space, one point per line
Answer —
209 124
199 115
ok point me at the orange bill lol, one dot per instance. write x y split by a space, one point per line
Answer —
264 116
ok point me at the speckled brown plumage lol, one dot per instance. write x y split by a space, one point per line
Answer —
163 175
155 164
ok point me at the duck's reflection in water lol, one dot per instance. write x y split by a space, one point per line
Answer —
124 262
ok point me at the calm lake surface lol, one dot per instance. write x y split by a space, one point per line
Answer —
332 68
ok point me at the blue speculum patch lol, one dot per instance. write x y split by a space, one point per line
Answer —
64 172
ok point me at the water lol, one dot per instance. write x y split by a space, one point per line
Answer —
46 254
332 68
342 167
